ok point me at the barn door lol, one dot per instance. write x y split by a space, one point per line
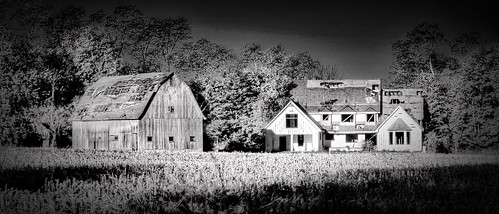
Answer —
282 143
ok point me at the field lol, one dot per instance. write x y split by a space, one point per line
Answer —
35 180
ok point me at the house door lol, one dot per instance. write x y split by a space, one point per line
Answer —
282 143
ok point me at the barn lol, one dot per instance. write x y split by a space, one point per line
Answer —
149 111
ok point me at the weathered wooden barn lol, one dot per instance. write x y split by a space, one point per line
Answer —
138 112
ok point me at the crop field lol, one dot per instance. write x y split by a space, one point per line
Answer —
36 180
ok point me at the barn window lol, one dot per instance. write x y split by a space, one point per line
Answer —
329 136
300 140
149 138
370 118
192 138
325 117
375 87
171 109
170 138
347 118
291 120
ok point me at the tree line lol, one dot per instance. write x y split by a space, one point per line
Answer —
49 55
460 78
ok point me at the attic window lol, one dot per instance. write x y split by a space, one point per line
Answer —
149 138
347 118
171 109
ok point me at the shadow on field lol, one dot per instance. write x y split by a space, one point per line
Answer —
454 189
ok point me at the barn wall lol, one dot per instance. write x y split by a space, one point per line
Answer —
175 113
104 135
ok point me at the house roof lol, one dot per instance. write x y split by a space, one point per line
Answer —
312 93
342 108
399 125
300 108
119 97
398 109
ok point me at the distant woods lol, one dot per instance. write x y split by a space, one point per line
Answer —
460 77
48 56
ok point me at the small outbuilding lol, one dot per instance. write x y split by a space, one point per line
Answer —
138 112
399 132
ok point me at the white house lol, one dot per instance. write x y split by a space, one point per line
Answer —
293 129
342 115
399 132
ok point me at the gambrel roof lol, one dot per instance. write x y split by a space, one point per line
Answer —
119 97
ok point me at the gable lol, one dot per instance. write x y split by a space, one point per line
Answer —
399 119
347 109
300 110
399 125
119 97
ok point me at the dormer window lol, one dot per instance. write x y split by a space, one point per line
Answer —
325 117
370 118
347 118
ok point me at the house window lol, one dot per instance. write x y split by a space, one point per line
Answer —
329 136
351 138
149 138
408 138
370 118
375 87
192 139
291 120
171 109
390 138
325 117
395 101
399 138
170 138
347 118
300 140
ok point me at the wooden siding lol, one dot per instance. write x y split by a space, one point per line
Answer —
416 140
304 127
173 113
96 134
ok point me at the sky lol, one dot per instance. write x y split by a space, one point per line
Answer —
354 36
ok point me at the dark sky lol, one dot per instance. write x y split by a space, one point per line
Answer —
355 36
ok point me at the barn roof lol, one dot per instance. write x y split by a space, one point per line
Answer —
119 97
358 94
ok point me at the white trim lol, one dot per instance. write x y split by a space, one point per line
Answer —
299 110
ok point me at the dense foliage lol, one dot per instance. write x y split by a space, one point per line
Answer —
460 78
74 181
49 55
